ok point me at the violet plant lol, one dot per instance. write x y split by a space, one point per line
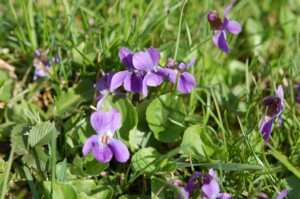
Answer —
129 133
219 27
272 108
174 72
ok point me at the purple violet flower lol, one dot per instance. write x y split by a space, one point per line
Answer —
210 188
130 78
219 27
103 145
273 107
297 92
143 71
104 88
186 81
147 63
41 64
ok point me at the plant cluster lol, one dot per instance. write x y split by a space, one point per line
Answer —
156 129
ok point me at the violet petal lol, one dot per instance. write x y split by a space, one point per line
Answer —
88 145
297 86
213 174
192 62
182 66
133 83
169 73
186 82
119 150
222 44
102 152
282 194
211 190
224 196
118 79
154 54
100 102
104 82
279 92
279 121
126 57
192 184
266 127
142 61
153 79
233 27
106 122
228 8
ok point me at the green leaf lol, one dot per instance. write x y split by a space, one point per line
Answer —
37 158
6 86
225 166
165 116
60 190
135 197
82 185
127 110
5 129
200 144
24 113
68 102
41 134
92 166
61 170
294 183
284 161
19 139
2 166
103 191
160 188
146 160
142 159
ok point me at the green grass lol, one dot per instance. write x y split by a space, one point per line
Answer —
225 106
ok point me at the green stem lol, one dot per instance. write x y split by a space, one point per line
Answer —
219 116
179 30
30 182
6 174
53 160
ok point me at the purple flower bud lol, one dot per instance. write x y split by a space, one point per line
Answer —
56 59
41 64
214 20
297 92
